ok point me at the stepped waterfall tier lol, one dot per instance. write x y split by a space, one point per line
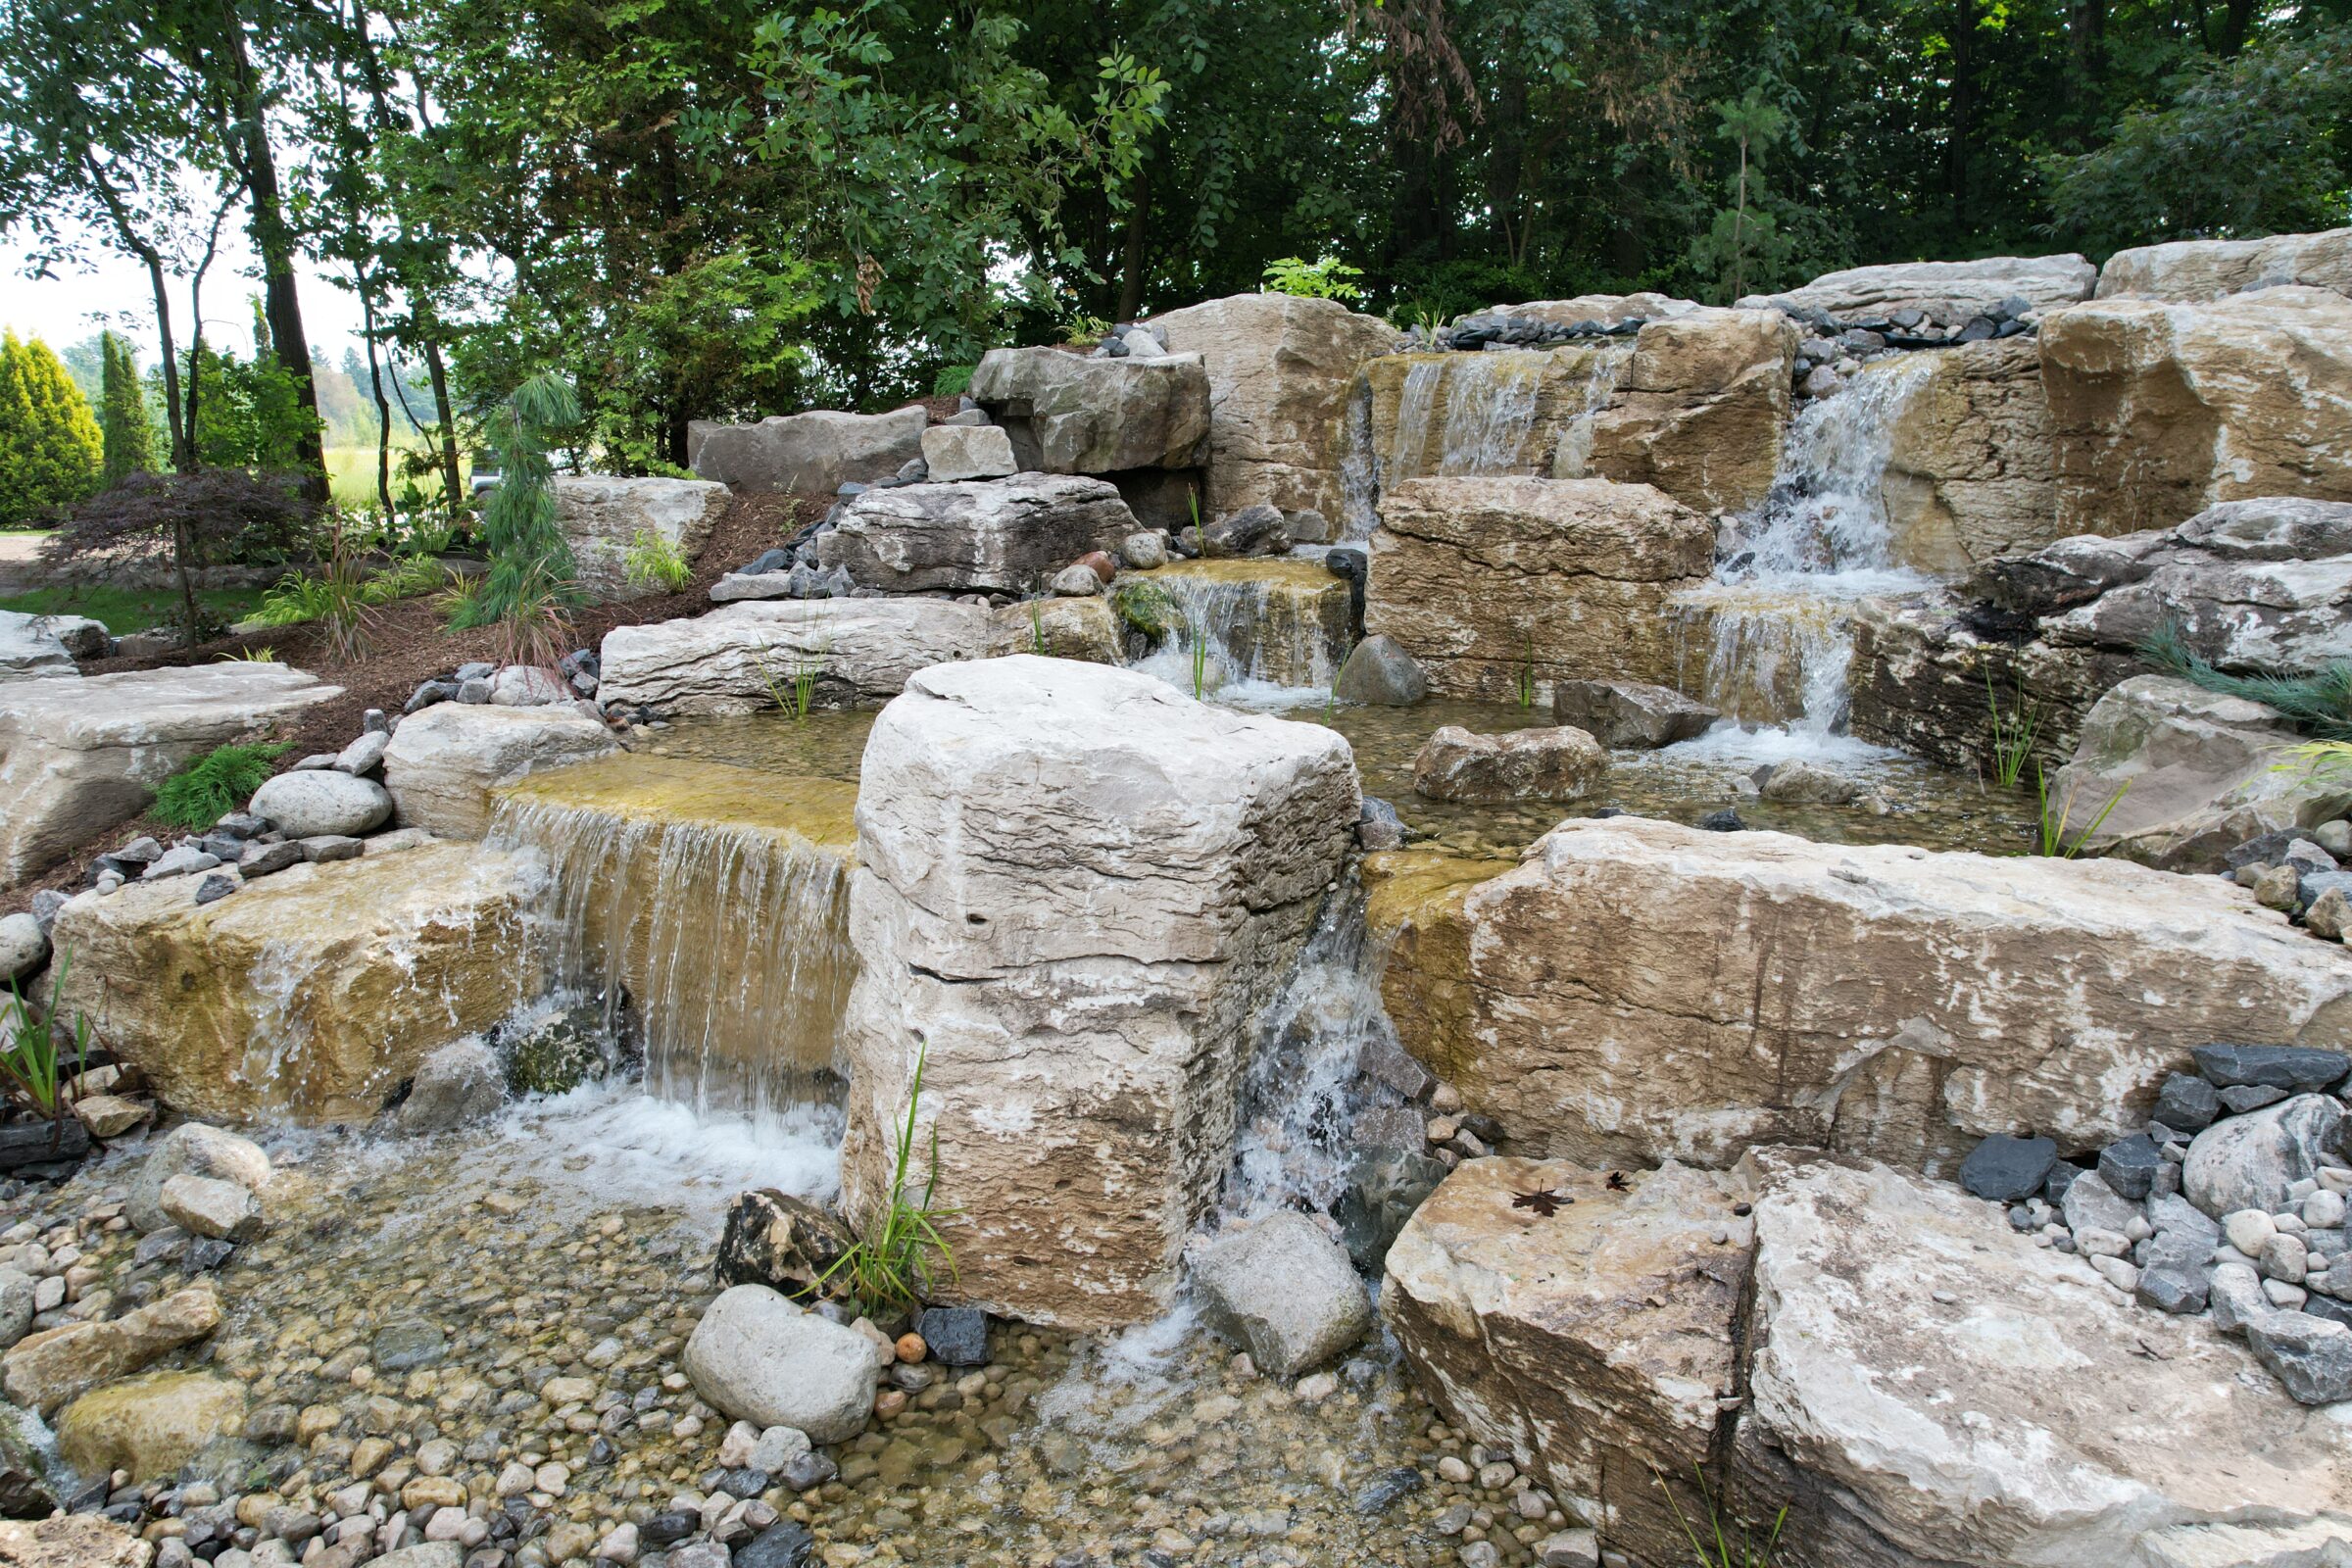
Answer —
711 899
1258 625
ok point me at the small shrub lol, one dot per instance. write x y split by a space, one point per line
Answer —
1325 278
216 783
30 1064
653 561
952 381
891 1268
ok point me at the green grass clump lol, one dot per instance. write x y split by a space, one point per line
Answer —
32 1068
1713 1546
216 783
893 1267
2013 732
128 609
653 561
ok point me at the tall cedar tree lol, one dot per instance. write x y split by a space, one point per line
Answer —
50 447
123 413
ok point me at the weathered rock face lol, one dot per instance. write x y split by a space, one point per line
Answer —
1076 891
1083 630
2161 410
1002 536
309 994
77 756
1549 764
861 650
1484 580
1279 370
31 649
1278 621
1593 1343
954 452
1636 990
444 762
1700 410
814 453
1629 713
1503 412
149 1426
2193 270
1949 290
2250 585
1928 1387
2192 774
1073 413
1968 470
45 1370
1606 308
601 516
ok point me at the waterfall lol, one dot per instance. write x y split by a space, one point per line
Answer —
1573 451
715 900
1265 627
1770 638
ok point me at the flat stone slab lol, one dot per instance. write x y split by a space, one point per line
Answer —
737 657
810 454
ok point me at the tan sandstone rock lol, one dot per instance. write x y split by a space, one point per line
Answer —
1077 889
1083 630
149 1426
1700 409
45 1370
2192 774
812 454
1278 621
1636 990
72 1540
1968 467
1501 411
994 536
1278 373
1413 901
1930 1387
444 762
1553 762
2162 409
2189 271
1073 413
737 657
1486 581
79 755
1591 1343
1956 290
309 994
601 516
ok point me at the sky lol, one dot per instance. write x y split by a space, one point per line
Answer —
75 304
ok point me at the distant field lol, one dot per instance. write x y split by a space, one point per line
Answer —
351 475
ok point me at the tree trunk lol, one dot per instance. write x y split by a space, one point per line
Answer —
383 407
273 241
452 483
1964 110
183 439
2087 23
2237 22
1132 257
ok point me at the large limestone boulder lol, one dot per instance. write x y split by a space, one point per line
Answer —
1486 580
1968 464
1594 1343
31 649
2193 270
1059 628
312 994
1636 990
79 757
44 1371
1076 892
735 659
2192 774
759 1357
1285 1291
1702 408
445 761
2162 409
997 536
1073 413
1278 621
149 1426
812 454
1930 1387
1606 308
601 516
1278 373
1952 291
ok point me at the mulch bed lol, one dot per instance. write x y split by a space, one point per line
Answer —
409 643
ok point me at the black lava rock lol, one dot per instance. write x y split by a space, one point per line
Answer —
2008 1169
2188 1102
1726 821
667 1529
2129 1167
956 1335
2297 1069
782 1544
2062 1176
1386 1488
761 565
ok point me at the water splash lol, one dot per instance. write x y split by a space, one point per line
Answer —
1571 454
1771 640
1268 628
713 898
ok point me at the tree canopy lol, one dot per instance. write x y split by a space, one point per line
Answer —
728 208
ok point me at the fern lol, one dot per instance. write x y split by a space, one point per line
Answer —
2318 704
214 784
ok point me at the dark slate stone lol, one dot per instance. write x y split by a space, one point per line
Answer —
956 1335
2129 1167
2293 1069
1978 329
160 1247
2238 1098
213 888
2062 1176
266 860
2265 849
206 1254
1386 1488
807 1470
1481 1125
2328 1307
667 1529
2312 884
1384 1186
1384 1061
1726 821
2188 1102
761 565
2008 1169
782 1544
1378 826
2171 1289
740 1483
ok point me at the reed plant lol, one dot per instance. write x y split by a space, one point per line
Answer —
2013 732
2052 829
901 1258
1715 1547
32 1068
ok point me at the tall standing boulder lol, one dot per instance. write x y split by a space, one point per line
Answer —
809 454
1076 891
1487 581
1700 410
603 518
1073 413
2162 409
1280 369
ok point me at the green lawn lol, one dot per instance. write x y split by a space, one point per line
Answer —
129 609
26 533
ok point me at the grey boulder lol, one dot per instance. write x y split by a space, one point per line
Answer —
760 1358
2250 1162
1379 671
313 804
1286 1292
461 1082
23 947
1629 714
198 1150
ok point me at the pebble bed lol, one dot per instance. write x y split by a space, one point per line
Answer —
475 1339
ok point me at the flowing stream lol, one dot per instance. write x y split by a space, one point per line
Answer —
1771 639
1264 629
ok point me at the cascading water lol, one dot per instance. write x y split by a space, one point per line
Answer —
1770 637
1264 629
713 899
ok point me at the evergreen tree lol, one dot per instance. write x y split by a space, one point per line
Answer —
50 447
122 415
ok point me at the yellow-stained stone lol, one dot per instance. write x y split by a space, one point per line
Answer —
1413 907
149 1426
